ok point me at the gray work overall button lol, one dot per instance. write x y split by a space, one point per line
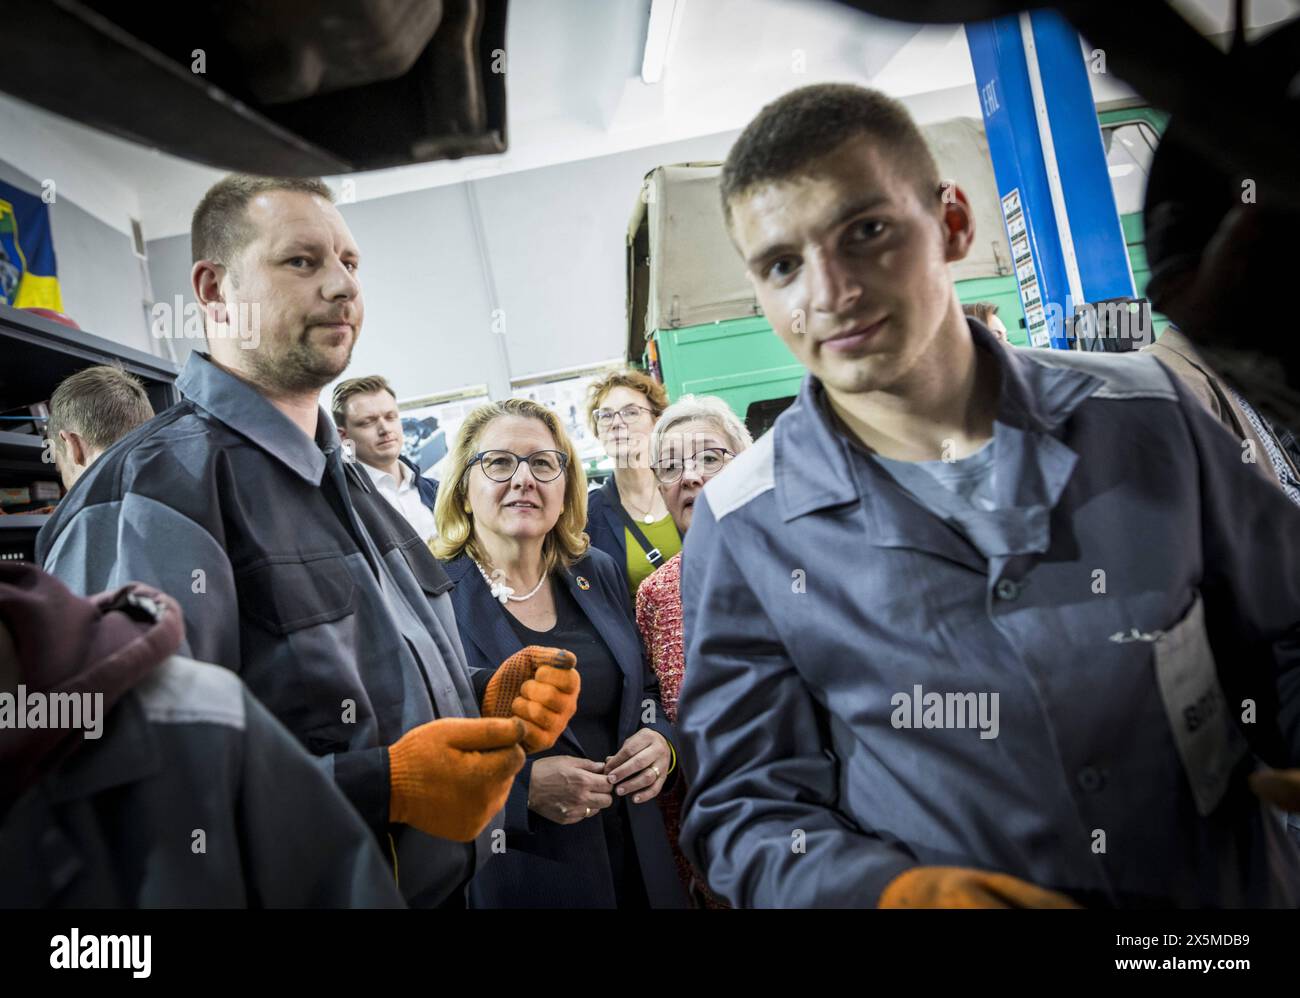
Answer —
1091 779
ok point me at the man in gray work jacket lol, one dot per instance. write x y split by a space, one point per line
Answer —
289 568
971 626
167 785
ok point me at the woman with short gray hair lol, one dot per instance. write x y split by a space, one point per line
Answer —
694 439
707 410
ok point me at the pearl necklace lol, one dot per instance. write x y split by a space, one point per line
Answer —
501 591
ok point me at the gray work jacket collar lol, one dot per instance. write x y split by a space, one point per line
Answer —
815 464
249 413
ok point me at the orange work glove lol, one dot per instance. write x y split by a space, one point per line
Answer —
960 887
449 777
540 687
1280 787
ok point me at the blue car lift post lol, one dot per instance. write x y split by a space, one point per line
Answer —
1053 180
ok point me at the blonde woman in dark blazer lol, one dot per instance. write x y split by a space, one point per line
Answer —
582 826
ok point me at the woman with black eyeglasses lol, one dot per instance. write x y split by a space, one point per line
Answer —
695 438
582 829
627 518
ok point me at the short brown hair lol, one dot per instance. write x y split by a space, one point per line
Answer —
344 392
102 404
654 392
220 229
566 542
981 310
800 127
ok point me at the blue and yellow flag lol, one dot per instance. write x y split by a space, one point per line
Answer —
28 274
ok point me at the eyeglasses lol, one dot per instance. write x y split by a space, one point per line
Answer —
707 462
500 465
604 417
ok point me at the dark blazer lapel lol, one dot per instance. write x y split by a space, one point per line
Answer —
487 624
614 629
610 509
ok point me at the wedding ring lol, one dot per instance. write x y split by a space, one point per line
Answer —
656 769
588 814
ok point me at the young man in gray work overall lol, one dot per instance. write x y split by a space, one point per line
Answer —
971 626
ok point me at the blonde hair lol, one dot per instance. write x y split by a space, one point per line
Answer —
702 409
655 393
566 542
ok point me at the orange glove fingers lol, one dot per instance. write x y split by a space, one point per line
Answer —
565 680
959 887
545 695
482 734
552 658
448 777
520 667
1017 893
543 726
1280 787
504 685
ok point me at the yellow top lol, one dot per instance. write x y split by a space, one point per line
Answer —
663 535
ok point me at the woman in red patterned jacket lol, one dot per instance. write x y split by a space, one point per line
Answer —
694 439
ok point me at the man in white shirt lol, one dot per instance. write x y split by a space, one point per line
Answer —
365 412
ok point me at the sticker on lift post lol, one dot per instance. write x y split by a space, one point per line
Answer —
1031 295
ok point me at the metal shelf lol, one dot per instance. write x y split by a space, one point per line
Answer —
24 521
37 355
21 446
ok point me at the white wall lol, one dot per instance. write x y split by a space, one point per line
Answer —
555 244
558 249
169 275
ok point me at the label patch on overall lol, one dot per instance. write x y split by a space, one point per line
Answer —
1209 743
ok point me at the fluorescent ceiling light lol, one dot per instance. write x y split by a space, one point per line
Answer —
665 16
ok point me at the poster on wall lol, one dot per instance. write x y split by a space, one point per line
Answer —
567 397
429 430
430 425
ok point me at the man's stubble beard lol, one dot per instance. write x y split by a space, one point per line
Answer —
298 370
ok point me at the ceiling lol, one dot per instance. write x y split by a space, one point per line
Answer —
575 92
